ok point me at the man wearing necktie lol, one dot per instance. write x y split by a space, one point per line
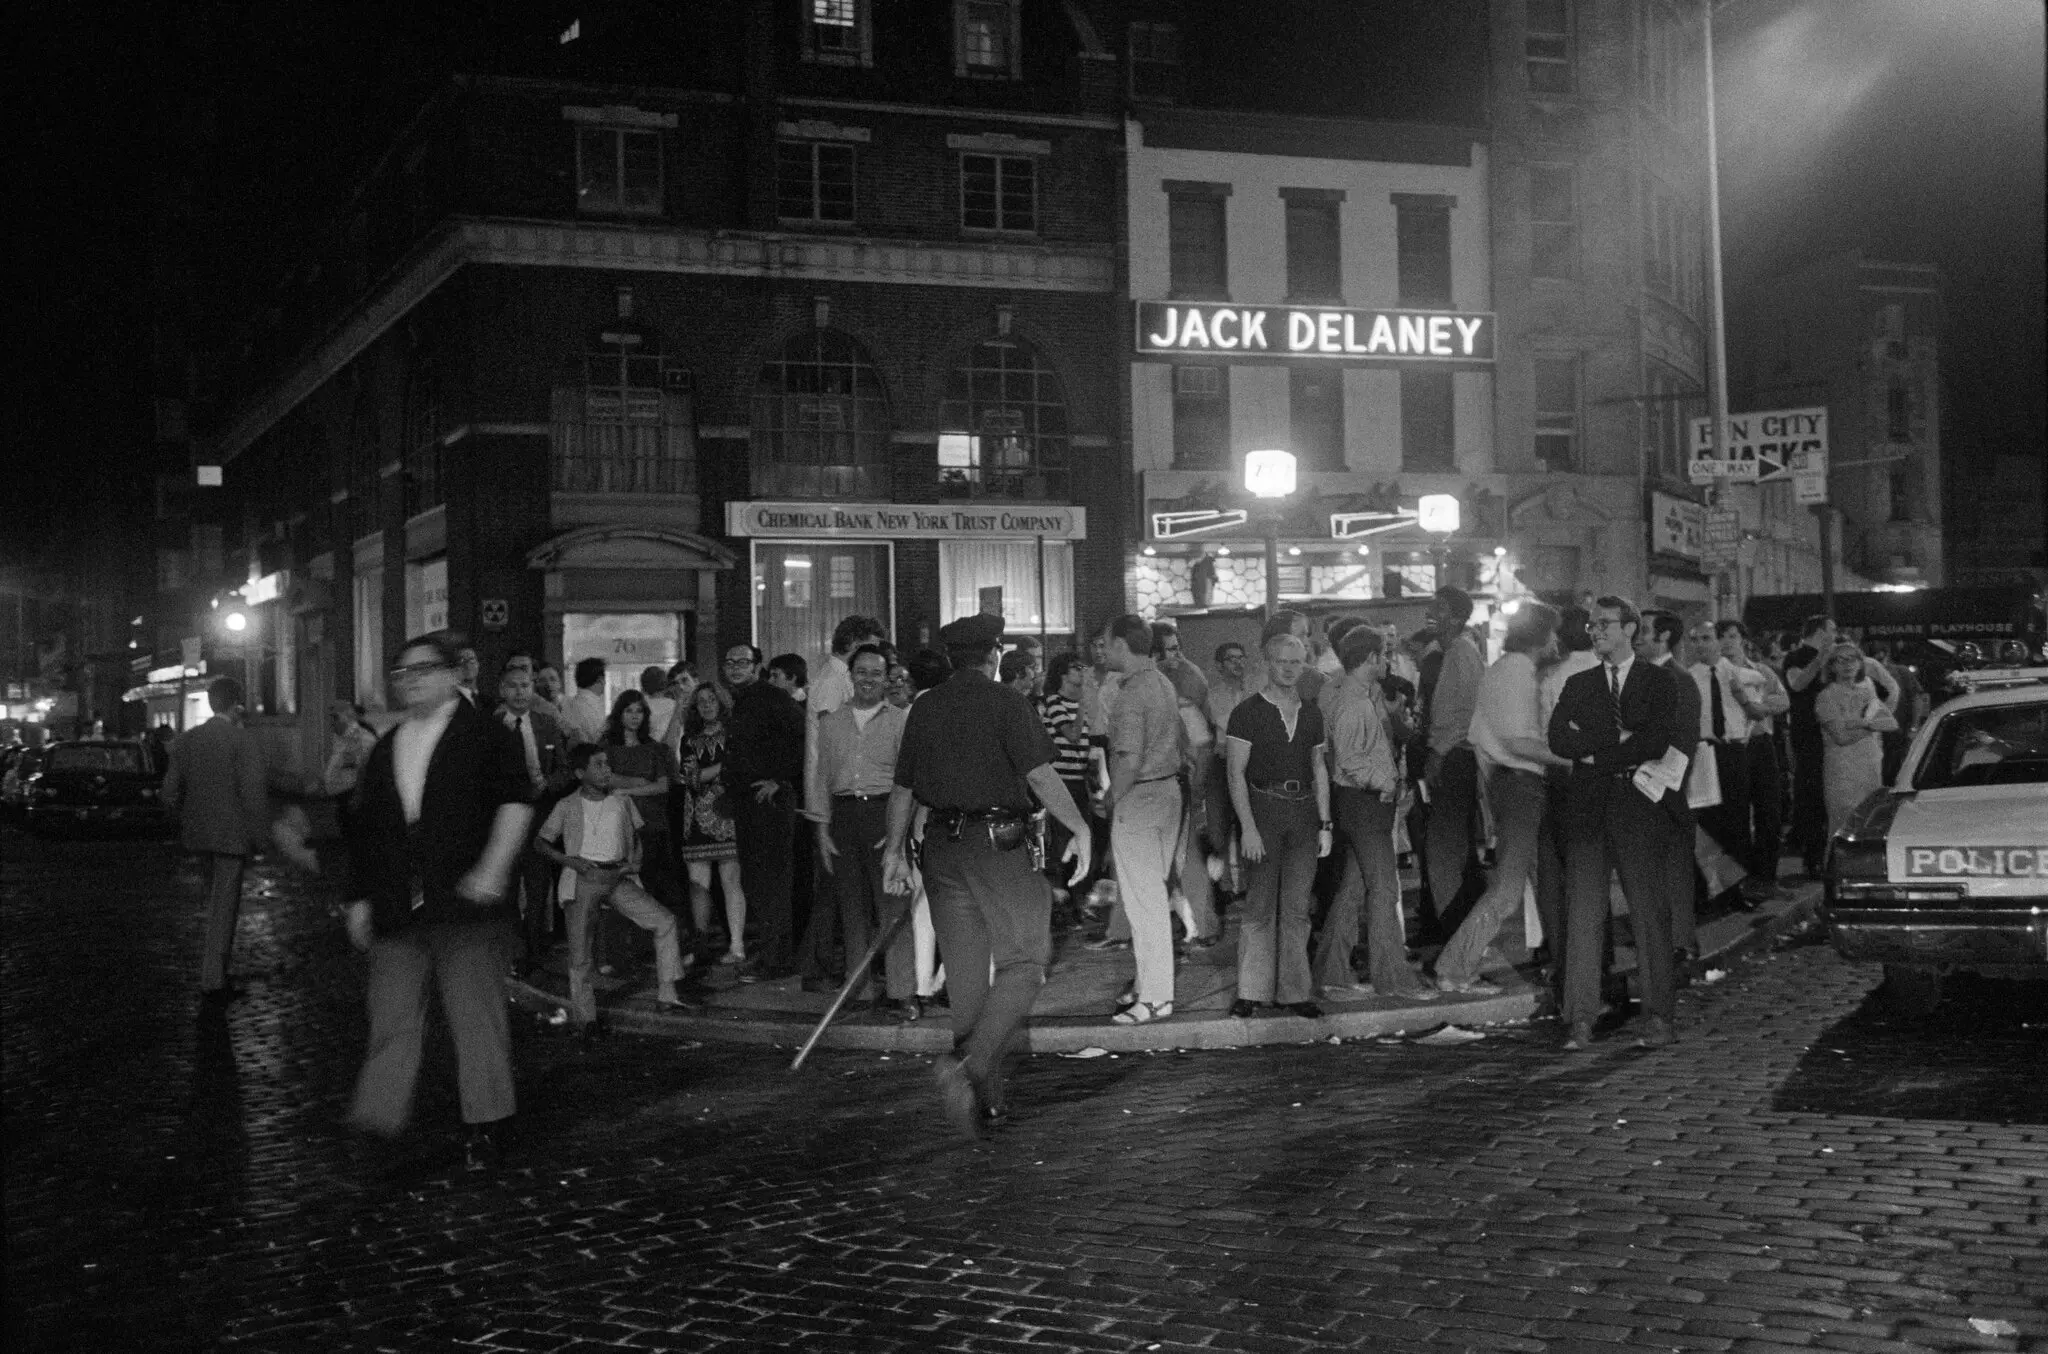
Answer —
1725 725
545 748
1610 721
1659 641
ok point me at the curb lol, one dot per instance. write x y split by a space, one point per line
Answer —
1191 1031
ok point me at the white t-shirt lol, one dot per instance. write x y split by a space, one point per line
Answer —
412 748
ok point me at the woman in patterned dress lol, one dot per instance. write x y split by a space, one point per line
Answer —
707 832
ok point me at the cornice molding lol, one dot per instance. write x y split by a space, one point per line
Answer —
588 244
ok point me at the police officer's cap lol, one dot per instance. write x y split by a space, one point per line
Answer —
973 632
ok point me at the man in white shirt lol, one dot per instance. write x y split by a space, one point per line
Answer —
1724 725
847 796
594 836
1513 750
832 686
583 714
1762 695
1452 771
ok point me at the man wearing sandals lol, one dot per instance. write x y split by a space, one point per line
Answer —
975 754
1146 811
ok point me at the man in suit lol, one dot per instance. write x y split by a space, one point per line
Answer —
216 786
1659 641
443 813
546 750
1610 721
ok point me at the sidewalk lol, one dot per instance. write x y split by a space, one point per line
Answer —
1072 1012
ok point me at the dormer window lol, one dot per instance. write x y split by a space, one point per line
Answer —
985 39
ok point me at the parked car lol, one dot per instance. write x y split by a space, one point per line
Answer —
94 783
21 763
1945 870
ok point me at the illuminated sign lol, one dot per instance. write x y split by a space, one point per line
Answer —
901 521
1222 331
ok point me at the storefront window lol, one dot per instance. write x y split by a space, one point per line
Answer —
1006 434
821 425
802 590
966 567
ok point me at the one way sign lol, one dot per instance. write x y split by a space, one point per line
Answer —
1758 447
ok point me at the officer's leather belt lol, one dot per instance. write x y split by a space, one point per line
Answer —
1005 827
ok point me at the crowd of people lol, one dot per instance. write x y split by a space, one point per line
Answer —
915 826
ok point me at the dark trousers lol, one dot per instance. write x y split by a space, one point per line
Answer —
1766 806
1371 885
1447 854
223 914
465 960
766 837
988 906
1611 827
1728 822
1551 887
1809 802
863 906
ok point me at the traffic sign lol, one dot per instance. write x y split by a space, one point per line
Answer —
1810 477
1757 447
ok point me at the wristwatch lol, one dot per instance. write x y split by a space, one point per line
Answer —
1326 826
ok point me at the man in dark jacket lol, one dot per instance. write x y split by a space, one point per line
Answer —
216 786
442 816
1611 723
764 766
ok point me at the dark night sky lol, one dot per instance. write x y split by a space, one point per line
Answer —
1910 128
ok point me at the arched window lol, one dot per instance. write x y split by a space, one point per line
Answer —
1004 426
821 426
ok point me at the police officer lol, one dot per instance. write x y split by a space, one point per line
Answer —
975 753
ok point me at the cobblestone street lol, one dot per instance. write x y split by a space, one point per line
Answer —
1800 1171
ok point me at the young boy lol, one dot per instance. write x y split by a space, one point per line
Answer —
594 835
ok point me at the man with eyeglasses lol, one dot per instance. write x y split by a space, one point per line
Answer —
1610 722
442 816
764 766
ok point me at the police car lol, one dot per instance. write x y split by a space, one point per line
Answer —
1946 869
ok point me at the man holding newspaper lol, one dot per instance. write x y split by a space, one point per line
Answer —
1620 725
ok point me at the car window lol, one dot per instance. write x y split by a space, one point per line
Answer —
1990 745
95 758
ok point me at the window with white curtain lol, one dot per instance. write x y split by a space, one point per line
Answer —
966 567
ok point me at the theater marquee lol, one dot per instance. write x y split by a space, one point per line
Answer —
1222 332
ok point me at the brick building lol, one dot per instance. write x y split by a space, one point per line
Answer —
689 330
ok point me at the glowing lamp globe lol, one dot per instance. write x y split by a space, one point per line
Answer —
1269 474
1439 513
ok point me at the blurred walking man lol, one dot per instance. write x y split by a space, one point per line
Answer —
216 786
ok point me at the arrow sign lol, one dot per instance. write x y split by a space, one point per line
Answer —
1173 526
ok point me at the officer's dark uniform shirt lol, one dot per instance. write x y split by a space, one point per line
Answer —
969 743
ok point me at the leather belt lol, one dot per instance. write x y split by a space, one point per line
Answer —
860 799
1154 780
1280 787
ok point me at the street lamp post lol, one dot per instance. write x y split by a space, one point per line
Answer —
1269 478
1437 514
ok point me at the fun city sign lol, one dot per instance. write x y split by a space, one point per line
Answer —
1758 447
1223 332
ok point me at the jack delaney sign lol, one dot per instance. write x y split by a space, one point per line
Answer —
1220 331
908 521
